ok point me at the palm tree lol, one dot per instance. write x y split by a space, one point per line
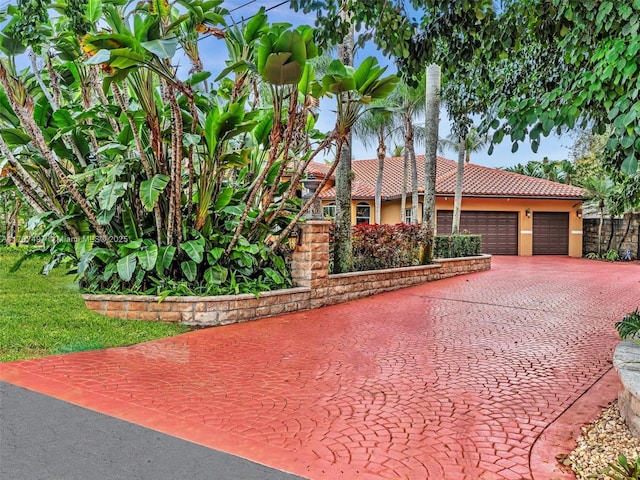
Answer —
432 117
566 171
376 124
549 169
343 250
563 171
471 143
410 102
530 169
598 193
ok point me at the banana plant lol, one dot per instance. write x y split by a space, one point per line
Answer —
183 190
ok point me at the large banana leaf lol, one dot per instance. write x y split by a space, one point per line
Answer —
148 257
151 189
126 266
110 194
161 48
14 136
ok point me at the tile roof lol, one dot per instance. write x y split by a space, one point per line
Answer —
478 181
359 190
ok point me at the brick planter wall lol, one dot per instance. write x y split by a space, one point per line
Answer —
219 310
314 287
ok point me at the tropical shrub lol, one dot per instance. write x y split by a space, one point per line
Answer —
377 247
148 181
629 326
611 256
454 246
623 469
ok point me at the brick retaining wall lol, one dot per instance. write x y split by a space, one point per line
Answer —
314 287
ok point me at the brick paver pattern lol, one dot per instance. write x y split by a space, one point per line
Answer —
450 380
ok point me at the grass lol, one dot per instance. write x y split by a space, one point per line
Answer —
45 315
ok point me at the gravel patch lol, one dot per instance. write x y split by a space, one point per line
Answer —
601 443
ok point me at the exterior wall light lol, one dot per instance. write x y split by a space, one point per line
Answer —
579 213
295 238
527 212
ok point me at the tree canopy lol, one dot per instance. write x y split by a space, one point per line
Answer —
536 66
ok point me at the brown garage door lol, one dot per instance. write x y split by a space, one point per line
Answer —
499 230
550 233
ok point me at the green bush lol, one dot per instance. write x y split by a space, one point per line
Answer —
454 246
629 326
611 256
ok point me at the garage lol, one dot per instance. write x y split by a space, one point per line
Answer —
499 230
550 233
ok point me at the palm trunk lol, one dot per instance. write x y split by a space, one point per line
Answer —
600 229
295 179
432 118
611 219
382 153
274 153
457 199
28 194
411 152
122 101
343 250
405 177
38 76
94 79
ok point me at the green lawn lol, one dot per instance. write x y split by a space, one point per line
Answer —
45 315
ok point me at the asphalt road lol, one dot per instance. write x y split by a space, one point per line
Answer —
42 438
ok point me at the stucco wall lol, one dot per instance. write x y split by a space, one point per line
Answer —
391 214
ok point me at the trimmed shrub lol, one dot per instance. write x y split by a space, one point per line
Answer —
376 247
454 246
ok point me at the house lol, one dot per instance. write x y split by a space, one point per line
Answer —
515 214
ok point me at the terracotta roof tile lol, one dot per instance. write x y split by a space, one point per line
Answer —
478 181
484 181
318 168
359 190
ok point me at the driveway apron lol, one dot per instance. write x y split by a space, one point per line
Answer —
454 379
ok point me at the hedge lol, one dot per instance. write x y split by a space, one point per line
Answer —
454 246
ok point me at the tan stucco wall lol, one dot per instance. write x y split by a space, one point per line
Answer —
391 214
525 224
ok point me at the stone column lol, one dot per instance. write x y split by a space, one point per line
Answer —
310 261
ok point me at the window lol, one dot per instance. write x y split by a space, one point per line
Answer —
408 216
363 213
329 211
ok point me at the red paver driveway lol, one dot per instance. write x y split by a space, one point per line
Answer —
450 380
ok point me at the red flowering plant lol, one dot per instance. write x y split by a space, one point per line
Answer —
376 247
